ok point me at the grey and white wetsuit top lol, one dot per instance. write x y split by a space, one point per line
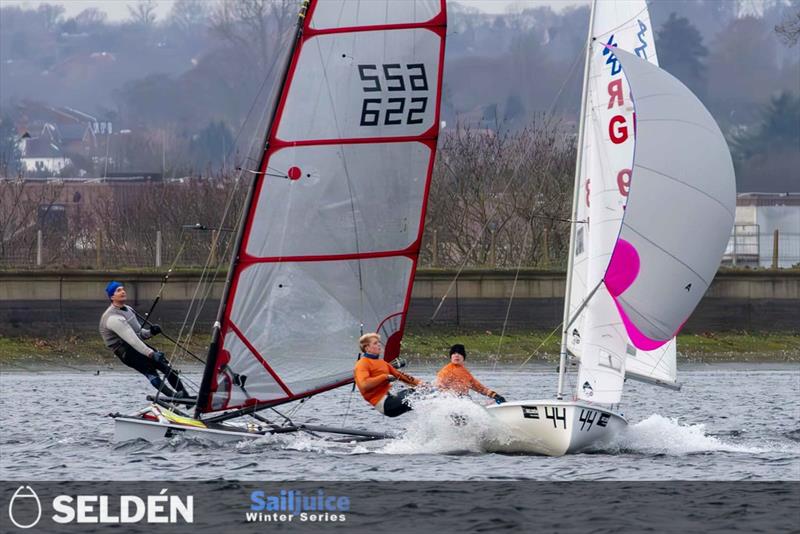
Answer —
121 324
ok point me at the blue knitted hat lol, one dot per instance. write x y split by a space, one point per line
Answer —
112 287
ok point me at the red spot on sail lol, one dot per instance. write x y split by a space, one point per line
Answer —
294 173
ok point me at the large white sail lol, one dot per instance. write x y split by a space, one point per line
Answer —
333 232
680 211
598 336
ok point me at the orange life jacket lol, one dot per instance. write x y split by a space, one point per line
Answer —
371 376
456 378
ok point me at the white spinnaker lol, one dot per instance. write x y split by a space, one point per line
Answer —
331 240
680 211
598 337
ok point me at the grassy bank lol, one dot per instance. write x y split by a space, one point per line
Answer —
427 344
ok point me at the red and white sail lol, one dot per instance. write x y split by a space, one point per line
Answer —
660 194
598 337
332 235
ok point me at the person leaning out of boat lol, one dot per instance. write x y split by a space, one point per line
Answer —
124 335
456 378
374 376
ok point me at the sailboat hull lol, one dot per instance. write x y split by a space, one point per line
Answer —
158 423
554 428
131 427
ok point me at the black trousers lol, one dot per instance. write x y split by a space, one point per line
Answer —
149 368
395 405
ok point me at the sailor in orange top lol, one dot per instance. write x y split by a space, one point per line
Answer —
456 378
374 376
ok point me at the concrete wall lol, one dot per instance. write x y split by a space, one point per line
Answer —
71 302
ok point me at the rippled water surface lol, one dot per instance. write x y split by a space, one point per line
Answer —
730 422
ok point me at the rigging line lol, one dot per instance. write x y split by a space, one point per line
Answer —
166 276
168 338
349 402
622 25
225 253
237 183
511 298
536 350
349 184
513 178
225 214
256 99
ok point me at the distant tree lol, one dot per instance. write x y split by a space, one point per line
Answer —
91 18
779 128
741 61
9 148
50 15
767 157
789 29
186 15
513 107
211 146
143 13
681 52
256 27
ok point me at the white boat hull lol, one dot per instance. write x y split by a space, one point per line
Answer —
553 427
133 427
157 423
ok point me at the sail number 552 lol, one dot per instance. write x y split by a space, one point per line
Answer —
393 77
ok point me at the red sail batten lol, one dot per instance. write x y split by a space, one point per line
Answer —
260 358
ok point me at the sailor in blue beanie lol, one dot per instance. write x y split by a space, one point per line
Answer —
124 335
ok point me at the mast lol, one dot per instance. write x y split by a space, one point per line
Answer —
213 348
575 199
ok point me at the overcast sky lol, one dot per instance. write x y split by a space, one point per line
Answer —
118 10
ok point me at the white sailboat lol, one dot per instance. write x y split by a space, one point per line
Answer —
329 243
653 206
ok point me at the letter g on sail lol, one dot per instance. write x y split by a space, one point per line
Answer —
22 500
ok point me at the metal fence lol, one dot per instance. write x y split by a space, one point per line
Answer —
748 247
751 246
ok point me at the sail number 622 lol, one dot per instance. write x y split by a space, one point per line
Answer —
393 77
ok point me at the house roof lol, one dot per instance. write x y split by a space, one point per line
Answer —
42 147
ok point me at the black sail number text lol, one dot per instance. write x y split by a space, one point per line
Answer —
395 109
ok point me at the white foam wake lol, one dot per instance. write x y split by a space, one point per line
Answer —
442 423
663 435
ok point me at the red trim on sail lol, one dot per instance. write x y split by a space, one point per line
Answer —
429 134
436 25
275 402
409 252
258 356
372 28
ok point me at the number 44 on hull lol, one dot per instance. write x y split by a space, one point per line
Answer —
553 427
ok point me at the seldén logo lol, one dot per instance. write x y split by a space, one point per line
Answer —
21 508
25 509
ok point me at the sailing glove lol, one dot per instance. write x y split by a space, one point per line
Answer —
159 357
399 363
155 329
499 399
391 378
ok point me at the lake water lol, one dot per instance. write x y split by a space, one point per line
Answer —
730 422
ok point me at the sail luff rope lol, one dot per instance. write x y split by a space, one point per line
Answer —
513 178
